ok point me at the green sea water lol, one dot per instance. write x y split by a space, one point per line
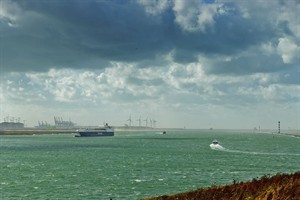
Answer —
135 165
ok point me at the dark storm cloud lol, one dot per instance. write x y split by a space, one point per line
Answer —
61 33
230 34
90 34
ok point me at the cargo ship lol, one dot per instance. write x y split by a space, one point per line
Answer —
97 132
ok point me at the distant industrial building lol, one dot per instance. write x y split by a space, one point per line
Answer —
61 123
11 125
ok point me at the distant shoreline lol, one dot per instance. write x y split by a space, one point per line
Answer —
33 131
63 131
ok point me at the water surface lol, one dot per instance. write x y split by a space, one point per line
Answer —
133 165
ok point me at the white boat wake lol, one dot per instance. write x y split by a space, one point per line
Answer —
217 146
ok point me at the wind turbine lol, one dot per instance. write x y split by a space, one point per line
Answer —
146 120
139 120
154 122
129 119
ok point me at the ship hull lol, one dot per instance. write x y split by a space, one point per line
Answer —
95 133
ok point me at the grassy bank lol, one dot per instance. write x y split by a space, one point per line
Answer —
280 186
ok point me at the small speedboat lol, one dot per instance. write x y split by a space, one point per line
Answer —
216 145
215 142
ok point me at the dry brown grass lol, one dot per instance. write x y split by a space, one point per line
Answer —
278 187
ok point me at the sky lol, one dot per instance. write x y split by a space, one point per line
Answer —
182 63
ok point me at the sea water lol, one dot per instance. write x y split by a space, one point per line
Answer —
135 165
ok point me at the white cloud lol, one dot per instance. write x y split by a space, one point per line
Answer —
207 14
186 14
154 7
9 11
288 50
290 14
193 16
2 100
177 90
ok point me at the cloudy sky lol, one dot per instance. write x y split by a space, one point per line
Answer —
184 63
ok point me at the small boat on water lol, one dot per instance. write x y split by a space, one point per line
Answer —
215 142
216 145
97 132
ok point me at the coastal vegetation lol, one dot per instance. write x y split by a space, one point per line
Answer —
277 187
